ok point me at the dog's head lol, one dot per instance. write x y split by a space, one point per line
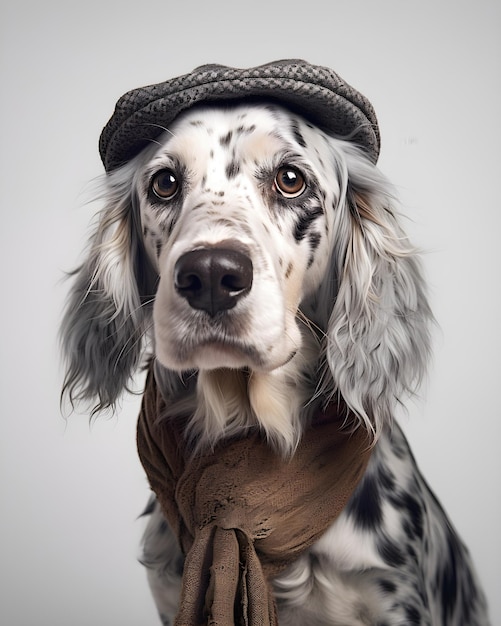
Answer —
233 207
261 253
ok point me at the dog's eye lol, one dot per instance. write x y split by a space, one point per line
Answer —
289 182
165 184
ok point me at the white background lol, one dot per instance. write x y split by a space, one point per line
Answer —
70 494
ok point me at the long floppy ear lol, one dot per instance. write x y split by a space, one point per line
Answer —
378 338
107 309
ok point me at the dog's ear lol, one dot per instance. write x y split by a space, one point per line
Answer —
378 338
107 308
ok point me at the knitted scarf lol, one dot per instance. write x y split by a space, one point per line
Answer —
241 512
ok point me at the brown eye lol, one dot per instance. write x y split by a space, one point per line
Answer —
165 184
289 182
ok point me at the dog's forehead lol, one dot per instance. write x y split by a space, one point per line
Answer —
251 130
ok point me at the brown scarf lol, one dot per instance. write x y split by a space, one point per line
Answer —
241 512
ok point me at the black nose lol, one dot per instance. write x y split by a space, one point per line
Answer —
213 279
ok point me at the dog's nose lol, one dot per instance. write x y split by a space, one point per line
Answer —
213 279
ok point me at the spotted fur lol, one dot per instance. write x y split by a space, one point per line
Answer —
324 300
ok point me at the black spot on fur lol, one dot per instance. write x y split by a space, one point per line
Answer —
387 586
297 135
411 552
386 479
448 579
305 220
232 169
414 513
413 615
246 130
390 553
225 139
365 505
314 240
400 449
170 226
416 516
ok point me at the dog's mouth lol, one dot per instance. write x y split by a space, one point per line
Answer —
211 349
224 353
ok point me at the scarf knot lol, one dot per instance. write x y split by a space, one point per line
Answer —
232 516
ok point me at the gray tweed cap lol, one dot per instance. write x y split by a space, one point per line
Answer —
317 93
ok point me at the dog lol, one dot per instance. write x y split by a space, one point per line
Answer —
260 262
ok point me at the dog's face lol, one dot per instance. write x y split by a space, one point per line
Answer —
236 214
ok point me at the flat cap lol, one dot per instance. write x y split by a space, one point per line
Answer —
315 92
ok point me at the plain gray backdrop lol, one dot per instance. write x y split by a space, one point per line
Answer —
71 494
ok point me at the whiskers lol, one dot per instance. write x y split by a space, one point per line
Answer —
137 341
159 142
317 333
